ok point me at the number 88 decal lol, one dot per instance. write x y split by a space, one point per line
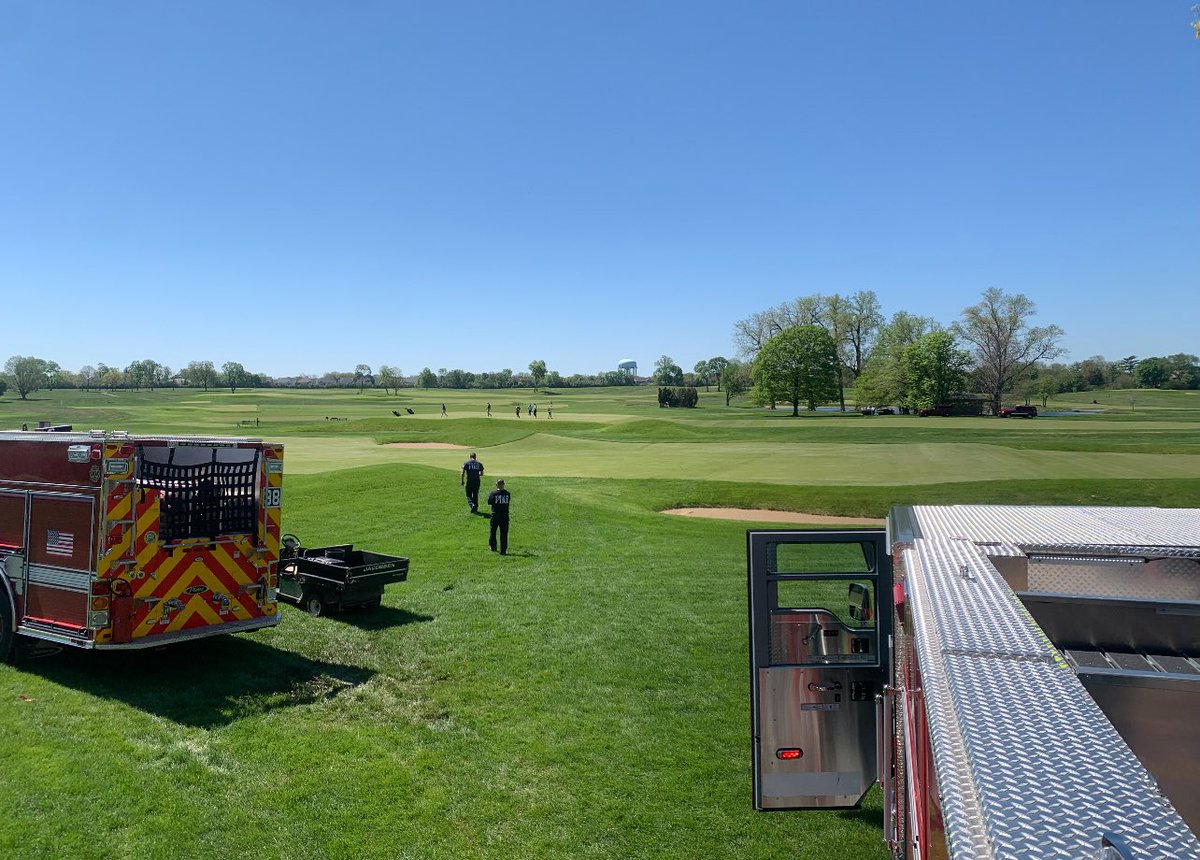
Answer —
272 497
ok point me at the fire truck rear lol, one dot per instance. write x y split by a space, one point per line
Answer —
114 541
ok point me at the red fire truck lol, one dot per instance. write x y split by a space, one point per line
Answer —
113 541
1023 682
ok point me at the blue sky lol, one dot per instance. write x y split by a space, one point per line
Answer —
304 186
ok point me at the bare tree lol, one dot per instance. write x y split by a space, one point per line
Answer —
1006 345
863 324
750 334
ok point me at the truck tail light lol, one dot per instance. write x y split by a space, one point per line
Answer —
789 753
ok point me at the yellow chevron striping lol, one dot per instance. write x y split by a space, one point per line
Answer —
164 572
227 562
193 607
122 508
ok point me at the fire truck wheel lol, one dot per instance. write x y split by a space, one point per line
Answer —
6 629
314 605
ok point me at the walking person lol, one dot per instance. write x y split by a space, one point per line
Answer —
472 474
518 410
550 411
443 408
489 409
499 499
535 410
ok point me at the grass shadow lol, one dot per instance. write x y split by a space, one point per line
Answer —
202 684
863 815
376 618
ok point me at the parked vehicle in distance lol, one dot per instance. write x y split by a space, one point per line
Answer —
1018 412
941 410
877 410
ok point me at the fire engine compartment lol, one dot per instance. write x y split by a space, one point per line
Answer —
1056 654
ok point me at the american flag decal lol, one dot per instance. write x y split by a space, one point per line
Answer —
60 543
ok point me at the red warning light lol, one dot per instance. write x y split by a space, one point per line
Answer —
789 754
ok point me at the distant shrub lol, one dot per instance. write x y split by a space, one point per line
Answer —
678 397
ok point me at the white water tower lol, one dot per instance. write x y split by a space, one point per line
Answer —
628 366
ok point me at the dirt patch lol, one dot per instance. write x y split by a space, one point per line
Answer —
762 515
431 445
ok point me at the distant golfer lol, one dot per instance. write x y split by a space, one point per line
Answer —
443 408
499 499
489 415
472 473
518 410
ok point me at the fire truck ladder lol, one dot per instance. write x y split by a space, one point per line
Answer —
119 488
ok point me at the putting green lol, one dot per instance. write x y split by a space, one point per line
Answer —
765 462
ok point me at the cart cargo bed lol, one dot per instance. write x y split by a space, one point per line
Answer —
337 577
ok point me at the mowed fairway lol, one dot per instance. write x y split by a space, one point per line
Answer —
586 696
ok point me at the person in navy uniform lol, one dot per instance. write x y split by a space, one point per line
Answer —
499 499
472 473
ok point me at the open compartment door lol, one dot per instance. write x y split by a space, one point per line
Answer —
820 616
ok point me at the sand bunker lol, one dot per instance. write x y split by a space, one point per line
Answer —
431 445
762 515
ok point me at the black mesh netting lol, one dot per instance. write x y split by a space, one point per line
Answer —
204 499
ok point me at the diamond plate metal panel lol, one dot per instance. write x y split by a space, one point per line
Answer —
1051 772
1167 531
1027 764
1161 579
975 610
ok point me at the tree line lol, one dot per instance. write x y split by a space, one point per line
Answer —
27 374
811 350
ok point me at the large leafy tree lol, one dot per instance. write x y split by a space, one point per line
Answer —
882 381
136 372
703 373
537 369
363 376
1006 345
798 365
389 377
667 372
934 368
235 375
87 377
202 373
29 374
427 378
716 369
735 379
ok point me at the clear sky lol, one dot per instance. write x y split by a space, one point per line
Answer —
304 186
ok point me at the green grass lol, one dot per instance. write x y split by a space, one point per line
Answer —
585 696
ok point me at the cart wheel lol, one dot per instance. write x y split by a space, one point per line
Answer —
314 605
